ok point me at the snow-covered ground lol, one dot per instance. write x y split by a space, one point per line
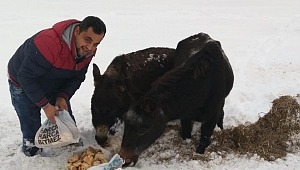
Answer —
260 38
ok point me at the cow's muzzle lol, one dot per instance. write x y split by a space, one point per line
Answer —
101 134
128 156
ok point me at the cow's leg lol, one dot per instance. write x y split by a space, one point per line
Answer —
186 128
220 122
221 117
207 130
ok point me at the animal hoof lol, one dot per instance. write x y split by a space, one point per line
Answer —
204 143
200 150
220 125
184 137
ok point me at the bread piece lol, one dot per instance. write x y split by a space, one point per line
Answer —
96 163
90 151
84 166
100 157
98 150
77 164
71 167
89 159
73 158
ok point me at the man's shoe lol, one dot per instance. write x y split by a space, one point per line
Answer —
30 151
29 148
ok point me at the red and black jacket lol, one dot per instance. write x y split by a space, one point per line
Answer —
44 65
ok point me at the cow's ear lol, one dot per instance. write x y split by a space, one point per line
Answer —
149 106
96 70
97 75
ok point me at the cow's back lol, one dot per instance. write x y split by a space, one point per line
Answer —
189 47
142 67
202 76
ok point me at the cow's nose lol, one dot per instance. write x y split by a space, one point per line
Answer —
129 162
101 134
129 157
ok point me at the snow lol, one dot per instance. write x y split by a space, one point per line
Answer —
260 38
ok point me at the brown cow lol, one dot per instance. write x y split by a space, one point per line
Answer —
194 90
110 99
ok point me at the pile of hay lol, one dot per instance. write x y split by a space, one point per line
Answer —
271 137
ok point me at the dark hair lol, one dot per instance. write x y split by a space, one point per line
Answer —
96 23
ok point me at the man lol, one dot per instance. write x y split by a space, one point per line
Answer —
47 69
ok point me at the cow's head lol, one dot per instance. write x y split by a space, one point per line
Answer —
109 102
144 123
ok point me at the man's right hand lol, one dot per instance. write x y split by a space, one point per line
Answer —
50 112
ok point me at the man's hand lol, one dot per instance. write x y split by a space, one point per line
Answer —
61 104
50 112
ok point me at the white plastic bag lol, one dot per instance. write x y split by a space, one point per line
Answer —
115 163
65 117
64 132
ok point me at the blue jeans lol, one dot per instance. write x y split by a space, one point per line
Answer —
28 113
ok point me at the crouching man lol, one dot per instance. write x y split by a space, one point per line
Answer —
47 69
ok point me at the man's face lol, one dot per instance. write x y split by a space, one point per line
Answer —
87 41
